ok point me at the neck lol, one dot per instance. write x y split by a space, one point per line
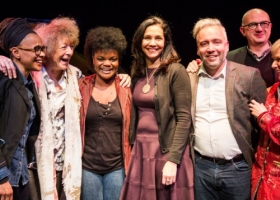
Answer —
258 49
153 64
21 68
54 74
100 83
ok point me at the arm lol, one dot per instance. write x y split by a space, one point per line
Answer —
182 105
7 67
125 80
6 191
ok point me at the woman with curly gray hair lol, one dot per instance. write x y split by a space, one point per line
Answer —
105 116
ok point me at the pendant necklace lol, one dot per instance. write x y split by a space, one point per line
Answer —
146 88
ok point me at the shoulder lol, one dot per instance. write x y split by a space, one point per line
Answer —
238 50
241 67
4 79
76 71
117 82
86 79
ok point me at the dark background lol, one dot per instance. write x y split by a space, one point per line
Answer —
127 15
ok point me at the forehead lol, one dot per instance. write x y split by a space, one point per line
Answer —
31 39
211 33
154 29
256 16
276 54
106 53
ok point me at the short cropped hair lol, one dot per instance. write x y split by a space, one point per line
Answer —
200 24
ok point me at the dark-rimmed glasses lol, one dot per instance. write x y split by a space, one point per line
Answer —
253 25
37 49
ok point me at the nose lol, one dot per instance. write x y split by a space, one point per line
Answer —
42 54
152 42
69 50
274 64
210 47
259 28
107 62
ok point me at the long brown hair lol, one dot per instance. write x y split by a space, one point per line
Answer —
168 55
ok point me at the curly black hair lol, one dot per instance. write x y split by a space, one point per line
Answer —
104 38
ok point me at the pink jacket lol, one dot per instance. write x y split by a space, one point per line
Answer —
266 169
86 85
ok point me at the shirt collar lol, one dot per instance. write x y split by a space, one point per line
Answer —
47 77
203 72
259 58
26 81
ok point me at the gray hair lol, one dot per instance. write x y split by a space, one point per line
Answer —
200 24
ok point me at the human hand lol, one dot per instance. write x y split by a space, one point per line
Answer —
125 80
6 191
256 108
194 66
7 67
169 172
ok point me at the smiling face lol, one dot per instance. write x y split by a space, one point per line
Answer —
276 62
212 47
61 56
25 56
106 64
153 43
259 35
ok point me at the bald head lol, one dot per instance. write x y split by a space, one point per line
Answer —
255 14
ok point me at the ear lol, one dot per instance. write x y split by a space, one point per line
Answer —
242 31
15 52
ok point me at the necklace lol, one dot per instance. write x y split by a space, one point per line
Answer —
146 88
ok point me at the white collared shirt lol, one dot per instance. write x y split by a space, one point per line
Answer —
213 134
56 100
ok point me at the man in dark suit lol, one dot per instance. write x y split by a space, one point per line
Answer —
221 139
256 27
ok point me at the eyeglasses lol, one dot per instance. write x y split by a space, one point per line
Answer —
37 49
254 25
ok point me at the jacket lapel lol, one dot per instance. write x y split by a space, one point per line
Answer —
241 55
230 79
20 87
194 83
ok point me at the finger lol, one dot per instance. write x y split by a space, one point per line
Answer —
198 61
14 72
4 70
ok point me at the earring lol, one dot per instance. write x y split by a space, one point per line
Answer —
18 58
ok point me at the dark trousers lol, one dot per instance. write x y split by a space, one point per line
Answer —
34 185
21 192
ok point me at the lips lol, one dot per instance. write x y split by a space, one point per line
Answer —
106 71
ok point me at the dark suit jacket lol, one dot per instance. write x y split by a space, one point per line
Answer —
239 56
14 115
243 84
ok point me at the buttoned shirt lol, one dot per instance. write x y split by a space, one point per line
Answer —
56 100
213 134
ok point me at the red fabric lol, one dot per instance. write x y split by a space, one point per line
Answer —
86 85
266 169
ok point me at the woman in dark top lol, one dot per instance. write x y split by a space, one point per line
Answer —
19 107
160 166
105 116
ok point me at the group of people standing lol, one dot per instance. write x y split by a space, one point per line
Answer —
176 133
